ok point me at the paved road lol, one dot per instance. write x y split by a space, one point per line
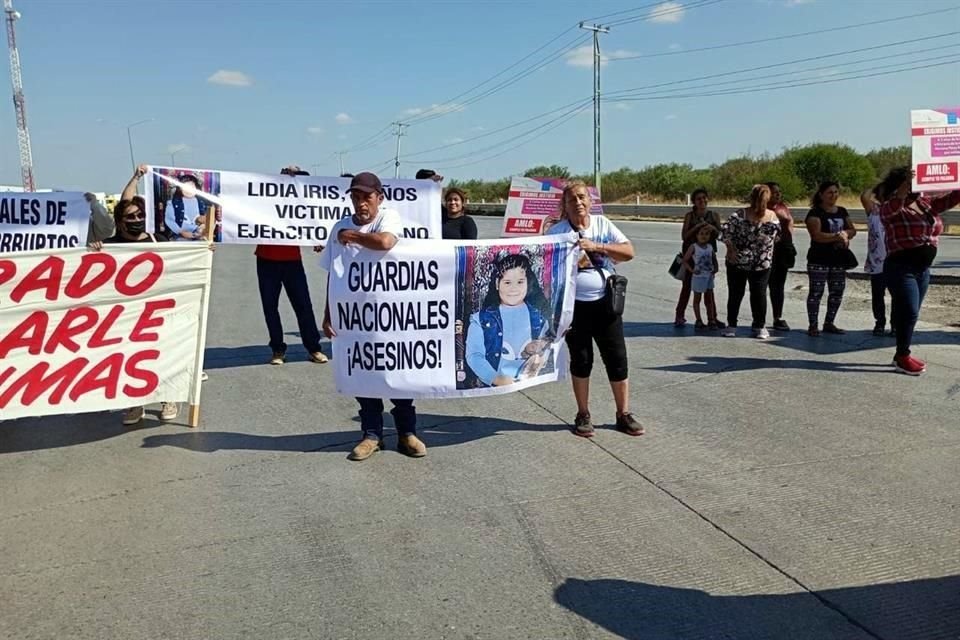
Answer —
794 488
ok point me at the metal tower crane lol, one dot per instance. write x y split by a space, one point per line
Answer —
23 135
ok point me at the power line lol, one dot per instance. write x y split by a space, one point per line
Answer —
672 10
500 130
552 57
793 85
623 11
784 36
508 68
812 69
627 92
517 146
582 105
357 146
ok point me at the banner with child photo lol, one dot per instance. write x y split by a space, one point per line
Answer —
438 319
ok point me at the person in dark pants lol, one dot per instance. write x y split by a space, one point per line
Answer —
784 257
602 246
377 229
281 267
750 235
912 225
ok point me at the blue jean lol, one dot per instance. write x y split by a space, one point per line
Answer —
371 417
908 286
274 275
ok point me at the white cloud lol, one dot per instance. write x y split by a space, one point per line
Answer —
583 56
343 118
434 109
667 12
315 130
453 140
797 3
178 148
230 78
671 116
675 47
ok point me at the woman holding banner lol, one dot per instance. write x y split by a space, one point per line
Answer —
912 226
131 223
602 245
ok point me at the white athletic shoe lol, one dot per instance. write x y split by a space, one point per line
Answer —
132 416
761 334
169 411
730 332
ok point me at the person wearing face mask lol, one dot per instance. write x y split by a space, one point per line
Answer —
184 207
375 228
131 226
457 225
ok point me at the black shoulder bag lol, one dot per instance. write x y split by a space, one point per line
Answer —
615 296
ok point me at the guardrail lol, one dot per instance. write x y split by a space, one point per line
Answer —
676 212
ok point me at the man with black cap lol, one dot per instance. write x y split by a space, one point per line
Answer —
281 267
378 229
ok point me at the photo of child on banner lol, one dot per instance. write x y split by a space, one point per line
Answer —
182 199
509 305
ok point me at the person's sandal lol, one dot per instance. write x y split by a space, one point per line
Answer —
829 327
813 331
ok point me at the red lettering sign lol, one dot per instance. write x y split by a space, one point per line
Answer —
934 173
526 226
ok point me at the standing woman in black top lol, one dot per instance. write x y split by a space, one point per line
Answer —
457 225
827 260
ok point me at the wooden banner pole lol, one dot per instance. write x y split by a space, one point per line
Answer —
193 417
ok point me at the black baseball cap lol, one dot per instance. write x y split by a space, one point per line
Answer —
425 174
296 171
366 182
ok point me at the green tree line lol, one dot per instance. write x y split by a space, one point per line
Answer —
798 169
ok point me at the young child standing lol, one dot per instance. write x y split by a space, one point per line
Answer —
701 261
873 265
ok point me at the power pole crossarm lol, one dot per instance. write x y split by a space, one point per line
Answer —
597 30
19 104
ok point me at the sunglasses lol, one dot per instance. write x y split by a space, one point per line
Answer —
133 217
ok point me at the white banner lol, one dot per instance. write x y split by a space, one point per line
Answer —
254 208
35 221
534 203
936 149
88 331
440 319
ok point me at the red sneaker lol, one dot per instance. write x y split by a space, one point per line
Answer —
909 365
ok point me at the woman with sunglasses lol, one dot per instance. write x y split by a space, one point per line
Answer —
131 219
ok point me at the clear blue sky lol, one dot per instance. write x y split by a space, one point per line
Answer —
92 67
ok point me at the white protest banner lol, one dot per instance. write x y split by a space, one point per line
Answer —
254 208
35 221
85 331
441 319
535 202
936 149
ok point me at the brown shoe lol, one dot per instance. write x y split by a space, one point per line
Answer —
318 357
411 445
279 357
627 424
582 426
365 449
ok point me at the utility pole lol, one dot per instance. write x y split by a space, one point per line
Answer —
597 30
19 105
340 155
396 159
